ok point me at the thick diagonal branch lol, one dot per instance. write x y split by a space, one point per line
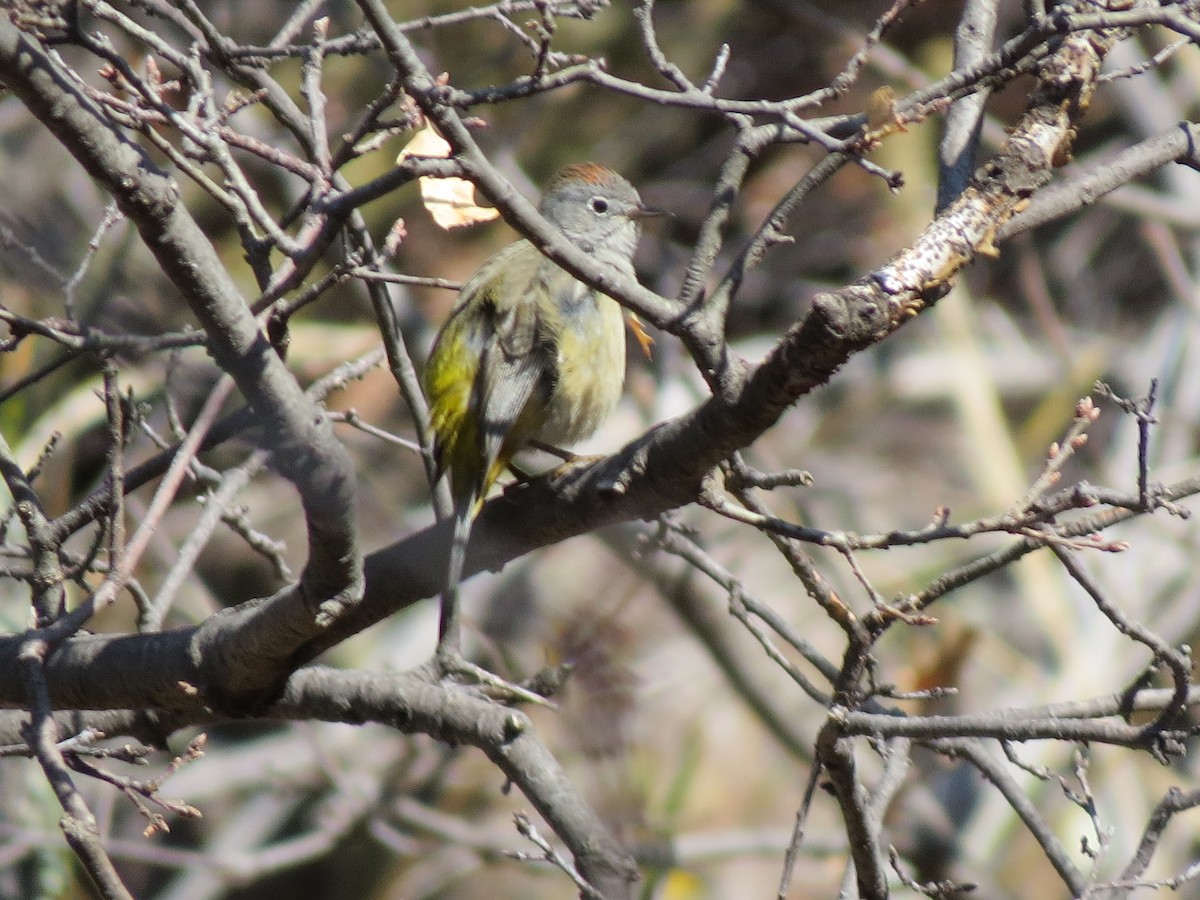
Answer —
299 435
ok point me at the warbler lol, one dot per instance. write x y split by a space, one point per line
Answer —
529 353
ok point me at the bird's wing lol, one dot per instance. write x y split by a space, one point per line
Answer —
461 369
513 367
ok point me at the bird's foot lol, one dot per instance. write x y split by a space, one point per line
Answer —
573 463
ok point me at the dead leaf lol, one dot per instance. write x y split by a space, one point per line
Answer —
451 201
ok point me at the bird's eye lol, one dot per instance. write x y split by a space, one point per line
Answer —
599 205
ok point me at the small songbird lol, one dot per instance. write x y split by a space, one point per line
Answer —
529 353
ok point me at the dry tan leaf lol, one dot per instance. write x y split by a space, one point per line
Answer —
881 116
451 201
881 108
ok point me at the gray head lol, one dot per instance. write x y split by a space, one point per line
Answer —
597 209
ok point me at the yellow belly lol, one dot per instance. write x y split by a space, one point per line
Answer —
591 374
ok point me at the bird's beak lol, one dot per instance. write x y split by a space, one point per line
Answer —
648 212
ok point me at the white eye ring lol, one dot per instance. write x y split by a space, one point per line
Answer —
600 206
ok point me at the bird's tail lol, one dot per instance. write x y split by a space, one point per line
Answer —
449 641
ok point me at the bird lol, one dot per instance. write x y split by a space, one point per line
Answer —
528 354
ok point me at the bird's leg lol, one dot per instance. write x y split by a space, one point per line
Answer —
519 475
570 461
564 455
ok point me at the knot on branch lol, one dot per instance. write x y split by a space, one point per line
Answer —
854 317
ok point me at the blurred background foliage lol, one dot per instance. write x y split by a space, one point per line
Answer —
956 410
